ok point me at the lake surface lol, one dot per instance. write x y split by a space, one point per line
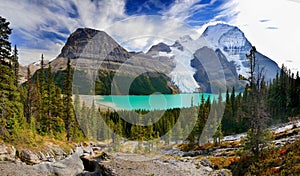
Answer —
154 101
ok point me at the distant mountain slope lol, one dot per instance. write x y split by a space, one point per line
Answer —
99 60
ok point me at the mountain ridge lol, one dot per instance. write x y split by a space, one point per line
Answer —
91 49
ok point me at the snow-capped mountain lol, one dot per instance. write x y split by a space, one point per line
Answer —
234 45
214 60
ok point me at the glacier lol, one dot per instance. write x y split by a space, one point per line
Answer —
182 74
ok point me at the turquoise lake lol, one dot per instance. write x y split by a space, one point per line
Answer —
154 101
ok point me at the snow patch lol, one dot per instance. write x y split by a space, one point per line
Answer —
183 74
165 54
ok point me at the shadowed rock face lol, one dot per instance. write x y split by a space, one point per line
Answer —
213 71
85 40
94 52
160 47
88 47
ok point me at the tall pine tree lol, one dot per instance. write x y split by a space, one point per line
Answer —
11 109
257 135
72 127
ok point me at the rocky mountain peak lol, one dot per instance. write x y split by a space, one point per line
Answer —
232 42
185 38
86 41
178 45
214 32
228 38
160 47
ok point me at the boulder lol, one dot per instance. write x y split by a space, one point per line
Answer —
29 157
224 172
88 150
7 153
205 163
71 165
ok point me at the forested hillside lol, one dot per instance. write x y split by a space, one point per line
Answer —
38 107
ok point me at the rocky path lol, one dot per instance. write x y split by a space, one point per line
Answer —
123 164
126 164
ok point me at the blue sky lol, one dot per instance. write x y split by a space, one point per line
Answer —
42 26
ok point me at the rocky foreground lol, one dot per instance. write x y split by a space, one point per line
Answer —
31 163
94 159
126 164
173 161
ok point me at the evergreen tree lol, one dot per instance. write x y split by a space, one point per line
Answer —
11 109
5 47
37 108
282 99
233 105
256 139
201 121
28 97
169 133
227 122
178 132
51 92
240 121
72 127
218 136
69 115
44 119
15 60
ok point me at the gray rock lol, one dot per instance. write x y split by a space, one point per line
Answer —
59 153
207 168
42 156
160 47
205 163
72 165
29 157
88 150
7 153
3 149
224 172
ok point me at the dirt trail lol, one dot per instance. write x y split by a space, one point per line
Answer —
134 164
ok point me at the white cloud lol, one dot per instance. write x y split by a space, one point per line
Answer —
140 32
32 18
281 44
33 55
181 9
